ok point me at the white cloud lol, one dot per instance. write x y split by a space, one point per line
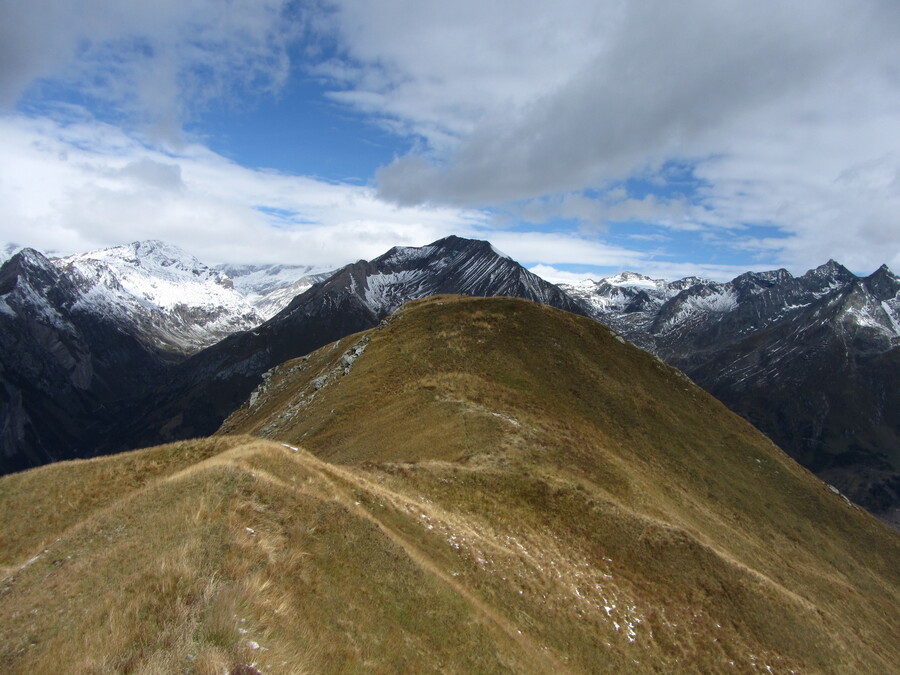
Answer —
153 61
786 112
440 68
562 247
558 276
790 109
677 213
87 185
831 184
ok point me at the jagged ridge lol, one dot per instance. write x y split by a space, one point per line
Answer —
812 361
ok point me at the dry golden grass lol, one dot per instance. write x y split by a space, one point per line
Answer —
493 487
547 413
256 546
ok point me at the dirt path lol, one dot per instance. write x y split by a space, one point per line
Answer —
337 484
543 659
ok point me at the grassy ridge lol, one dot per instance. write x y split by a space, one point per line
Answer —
492 486
702 508
257 546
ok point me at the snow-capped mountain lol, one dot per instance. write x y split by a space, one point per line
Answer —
627 301
655 312
270 288
164 296
450 265
813 360
65 371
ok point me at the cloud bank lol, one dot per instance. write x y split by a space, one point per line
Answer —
87 185
152 62
786 111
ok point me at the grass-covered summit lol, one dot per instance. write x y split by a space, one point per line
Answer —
478 485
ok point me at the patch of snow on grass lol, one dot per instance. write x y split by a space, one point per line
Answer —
509 419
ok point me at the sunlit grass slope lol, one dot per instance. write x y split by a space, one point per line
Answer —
476 486
546 432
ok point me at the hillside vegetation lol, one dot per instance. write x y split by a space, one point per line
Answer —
478 485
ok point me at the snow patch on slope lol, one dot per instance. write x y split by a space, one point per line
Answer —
635 280
500 253
384 293
158 274
270 288
892 309
175 301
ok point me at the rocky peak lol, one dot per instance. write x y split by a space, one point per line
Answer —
883 284
628 278
36 272
831 270
150 257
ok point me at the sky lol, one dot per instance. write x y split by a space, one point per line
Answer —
581 137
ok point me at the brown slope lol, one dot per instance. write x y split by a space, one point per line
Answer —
255 559
509 489
520 415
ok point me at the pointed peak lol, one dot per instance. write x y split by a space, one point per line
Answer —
628 278
833 270
832 265
628 275
883 283
29 262
148 254
451 244
32 257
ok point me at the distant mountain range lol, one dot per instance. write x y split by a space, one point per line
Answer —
172 301
89 340
813 361
159 293
270 288
112 343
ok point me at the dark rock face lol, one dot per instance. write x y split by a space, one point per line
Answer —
812 361
65 373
